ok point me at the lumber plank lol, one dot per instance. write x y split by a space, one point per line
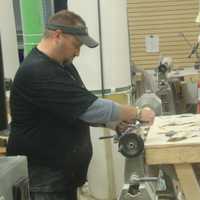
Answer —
188 182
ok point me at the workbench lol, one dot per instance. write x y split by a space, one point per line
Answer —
185 75
175 140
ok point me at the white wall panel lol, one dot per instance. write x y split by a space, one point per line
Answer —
106 169
8 38
114 28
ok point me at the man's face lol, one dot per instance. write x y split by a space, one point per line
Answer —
70 47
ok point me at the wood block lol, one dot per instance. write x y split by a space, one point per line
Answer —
184 146
2 151
188 181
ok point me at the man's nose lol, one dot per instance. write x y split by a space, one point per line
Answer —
77 52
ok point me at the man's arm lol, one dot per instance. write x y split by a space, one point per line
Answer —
104 112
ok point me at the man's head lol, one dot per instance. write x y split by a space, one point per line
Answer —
71 23
68 31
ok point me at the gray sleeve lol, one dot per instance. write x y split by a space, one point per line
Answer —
101 111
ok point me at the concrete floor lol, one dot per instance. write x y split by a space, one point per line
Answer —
84 193
83 197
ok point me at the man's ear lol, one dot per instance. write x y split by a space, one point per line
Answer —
57 34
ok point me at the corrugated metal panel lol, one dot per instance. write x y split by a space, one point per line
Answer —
167 19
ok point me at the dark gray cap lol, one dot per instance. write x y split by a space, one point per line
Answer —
79 31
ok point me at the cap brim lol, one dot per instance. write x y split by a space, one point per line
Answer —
88 41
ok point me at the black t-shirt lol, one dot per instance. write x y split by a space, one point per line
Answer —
47 100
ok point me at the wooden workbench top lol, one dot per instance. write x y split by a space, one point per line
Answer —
2 151
174 139
186 75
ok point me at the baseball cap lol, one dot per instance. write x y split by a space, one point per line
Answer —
79 31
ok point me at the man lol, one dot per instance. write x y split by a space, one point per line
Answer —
51 111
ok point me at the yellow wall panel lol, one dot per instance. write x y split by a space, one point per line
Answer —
167 19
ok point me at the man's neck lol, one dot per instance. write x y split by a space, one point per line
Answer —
48 49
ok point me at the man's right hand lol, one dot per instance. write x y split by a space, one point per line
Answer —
147 115
130 113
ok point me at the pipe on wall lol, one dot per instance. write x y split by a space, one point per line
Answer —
101 50
32 23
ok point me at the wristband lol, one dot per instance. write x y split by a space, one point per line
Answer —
138 113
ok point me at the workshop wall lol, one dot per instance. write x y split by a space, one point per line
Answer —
157 26
8 38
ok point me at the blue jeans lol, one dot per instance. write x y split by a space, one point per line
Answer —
48 184
71 195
